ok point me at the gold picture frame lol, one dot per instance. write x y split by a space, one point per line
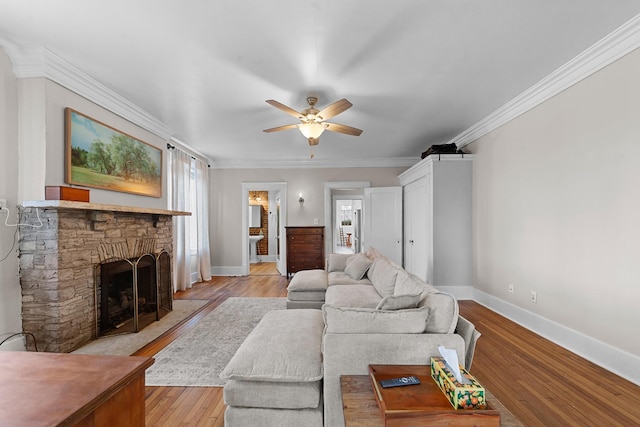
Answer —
100 156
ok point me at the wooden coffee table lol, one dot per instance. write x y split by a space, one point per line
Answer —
362 410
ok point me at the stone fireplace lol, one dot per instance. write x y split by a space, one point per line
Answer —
61 261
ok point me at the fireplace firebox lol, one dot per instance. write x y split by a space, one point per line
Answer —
132 293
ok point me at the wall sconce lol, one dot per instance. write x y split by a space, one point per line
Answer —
300 199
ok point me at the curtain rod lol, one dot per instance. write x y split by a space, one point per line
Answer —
171 147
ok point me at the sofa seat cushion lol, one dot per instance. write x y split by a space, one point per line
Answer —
308 285
308 281
266 394
343 320
342 278
352 296
285 346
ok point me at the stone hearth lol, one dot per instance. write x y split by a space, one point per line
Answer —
59 259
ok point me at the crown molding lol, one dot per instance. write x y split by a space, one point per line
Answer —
619 43
315 163
35 61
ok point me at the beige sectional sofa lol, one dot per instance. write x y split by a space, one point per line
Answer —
384 316
374 312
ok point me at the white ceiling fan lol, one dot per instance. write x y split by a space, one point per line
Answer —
312 121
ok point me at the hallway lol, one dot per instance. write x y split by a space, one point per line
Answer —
263 269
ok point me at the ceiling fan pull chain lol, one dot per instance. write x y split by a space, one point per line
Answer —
312 155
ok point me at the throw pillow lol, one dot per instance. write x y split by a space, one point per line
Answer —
343 320
399 302
357 268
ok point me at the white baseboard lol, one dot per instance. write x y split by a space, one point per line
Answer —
610 358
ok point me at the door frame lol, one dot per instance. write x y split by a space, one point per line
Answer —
263 186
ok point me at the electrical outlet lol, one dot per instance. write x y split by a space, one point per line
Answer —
3 203
534 296
511 288
315 221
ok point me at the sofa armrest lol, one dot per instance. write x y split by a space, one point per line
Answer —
351 354
468 332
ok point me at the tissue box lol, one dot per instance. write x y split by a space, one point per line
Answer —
461 396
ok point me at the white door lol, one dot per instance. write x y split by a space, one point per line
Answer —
416 213
382 220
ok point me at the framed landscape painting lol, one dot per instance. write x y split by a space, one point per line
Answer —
100 156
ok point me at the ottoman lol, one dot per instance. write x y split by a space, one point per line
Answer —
276 374
307 289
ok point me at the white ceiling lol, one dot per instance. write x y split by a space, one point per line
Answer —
419 72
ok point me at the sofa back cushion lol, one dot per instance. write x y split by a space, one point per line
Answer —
344 320
444 310
443 307
337 262
382 274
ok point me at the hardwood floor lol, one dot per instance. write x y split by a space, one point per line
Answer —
263 269
540 382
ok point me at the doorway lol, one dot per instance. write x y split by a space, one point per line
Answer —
343 190
264 207
347 223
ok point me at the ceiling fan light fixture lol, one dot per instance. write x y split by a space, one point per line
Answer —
312 129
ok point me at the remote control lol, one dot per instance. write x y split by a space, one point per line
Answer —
397 382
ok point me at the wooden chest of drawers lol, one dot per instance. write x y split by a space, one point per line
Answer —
305 248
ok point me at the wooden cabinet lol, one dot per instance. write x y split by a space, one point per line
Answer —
305 248
437 219
81 390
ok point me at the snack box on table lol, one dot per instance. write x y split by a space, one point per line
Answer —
462 396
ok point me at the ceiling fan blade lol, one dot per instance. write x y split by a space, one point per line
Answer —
279 128
284 108
343 129
334 109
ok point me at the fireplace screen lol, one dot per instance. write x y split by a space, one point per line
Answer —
132 293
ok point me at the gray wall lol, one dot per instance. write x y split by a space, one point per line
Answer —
226 201
556 208
9 284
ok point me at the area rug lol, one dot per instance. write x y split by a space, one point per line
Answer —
197 358
127 344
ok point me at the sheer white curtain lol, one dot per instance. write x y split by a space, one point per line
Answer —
189 178
203 264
